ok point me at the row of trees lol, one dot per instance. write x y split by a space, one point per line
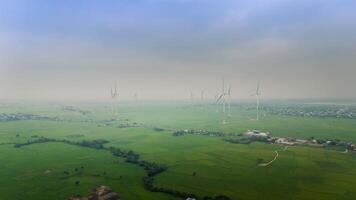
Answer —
23 116
38 140
96 144
243 140
149 185
204 132
219 197
158 129
152 169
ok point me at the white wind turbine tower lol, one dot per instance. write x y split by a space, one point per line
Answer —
224 98
229 101
216 97
135 96
202 95
191 97
221 98
114 95
257 95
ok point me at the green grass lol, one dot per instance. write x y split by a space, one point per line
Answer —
220 167
23 173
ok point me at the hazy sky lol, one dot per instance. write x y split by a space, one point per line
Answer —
78 49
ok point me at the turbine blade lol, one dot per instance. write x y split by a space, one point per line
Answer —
223 85
258 88
220 97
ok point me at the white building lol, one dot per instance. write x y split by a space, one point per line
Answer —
284 141
256 133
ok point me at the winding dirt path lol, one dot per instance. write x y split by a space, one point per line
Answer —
270 162
346 151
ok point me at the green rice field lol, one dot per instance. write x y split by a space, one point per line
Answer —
197 164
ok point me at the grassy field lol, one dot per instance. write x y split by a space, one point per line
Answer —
36 171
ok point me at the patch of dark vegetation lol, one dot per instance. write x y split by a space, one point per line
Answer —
119 123
149 185
96 144
158 129
123 123
248 140
6 143
333 142
152 169
243 140
108 122
96 175
204 133
131 157
75 136
129 125
4 117
23 116
38 140
74 109
219 197
259 161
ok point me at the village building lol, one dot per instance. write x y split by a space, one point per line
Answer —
256 134
301 141
284 141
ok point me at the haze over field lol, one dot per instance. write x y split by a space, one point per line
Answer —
161 49
177 99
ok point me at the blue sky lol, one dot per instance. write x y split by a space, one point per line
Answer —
164 48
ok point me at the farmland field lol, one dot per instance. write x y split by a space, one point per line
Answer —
197 164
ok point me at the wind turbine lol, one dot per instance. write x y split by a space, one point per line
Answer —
191 97
229 101
114 95
135 96
216 97
202 93
221 98
224 98
257 95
